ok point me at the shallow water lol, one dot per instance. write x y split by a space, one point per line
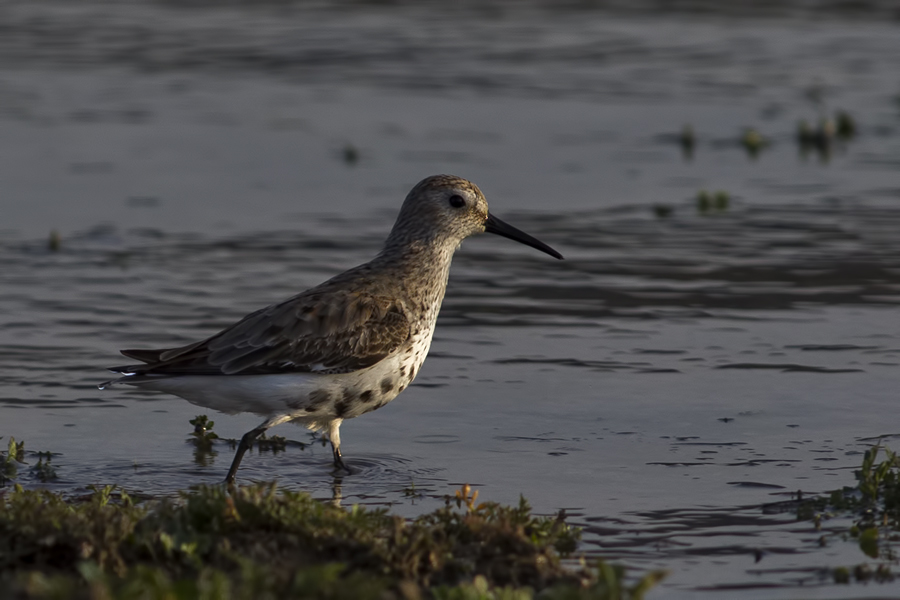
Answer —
666 384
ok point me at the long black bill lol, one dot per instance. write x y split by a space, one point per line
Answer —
495 225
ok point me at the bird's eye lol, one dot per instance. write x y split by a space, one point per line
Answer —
457 201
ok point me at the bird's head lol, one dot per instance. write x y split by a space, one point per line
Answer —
451 208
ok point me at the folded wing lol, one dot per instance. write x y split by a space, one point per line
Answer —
348 332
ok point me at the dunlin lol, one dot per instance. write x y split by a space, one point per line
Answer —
342 348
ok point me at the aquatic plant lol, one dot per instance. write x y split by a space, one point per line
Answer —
412 492
15 453
875 505
753 142
706 201
273 444
54 243
880 480
43 470
203 436
822 138
721 200
846 125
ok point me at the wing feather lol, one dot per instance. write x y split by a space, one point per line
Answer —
335 332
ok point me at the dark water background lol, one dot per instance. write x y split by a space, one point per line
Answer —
677 374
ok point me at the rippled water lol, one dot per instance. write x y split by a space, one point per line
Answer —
676 378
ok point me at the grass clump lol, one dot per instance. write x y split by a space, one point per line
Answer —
259 541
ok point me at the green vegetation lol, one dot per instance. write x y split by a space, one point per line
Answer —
43 470
707 202
9 466
54 243
822 138
753 142
204 440
845 125
273 444
261 542
880 481
876 496
203 436
218 542
875 505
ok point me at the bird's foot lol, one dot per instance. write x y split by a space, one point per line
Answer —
340 465
342 468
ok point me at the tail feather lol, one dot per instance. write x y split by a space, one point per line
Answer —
137 373
145 356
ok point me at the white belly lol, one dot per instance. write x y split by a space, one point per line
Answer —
232 394
306 397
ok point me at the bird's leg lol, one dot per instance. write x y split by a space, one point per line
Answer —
338 459
247 441
334 434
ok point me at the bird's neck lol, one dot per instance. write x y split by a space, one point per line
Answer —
423 267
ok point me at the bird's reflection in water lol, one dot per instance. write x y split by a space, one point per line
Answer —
337 491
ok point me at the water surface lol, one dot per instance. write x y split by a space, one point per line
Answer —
680 372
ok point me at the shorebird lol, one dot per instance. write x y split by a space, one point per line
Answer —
343 348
